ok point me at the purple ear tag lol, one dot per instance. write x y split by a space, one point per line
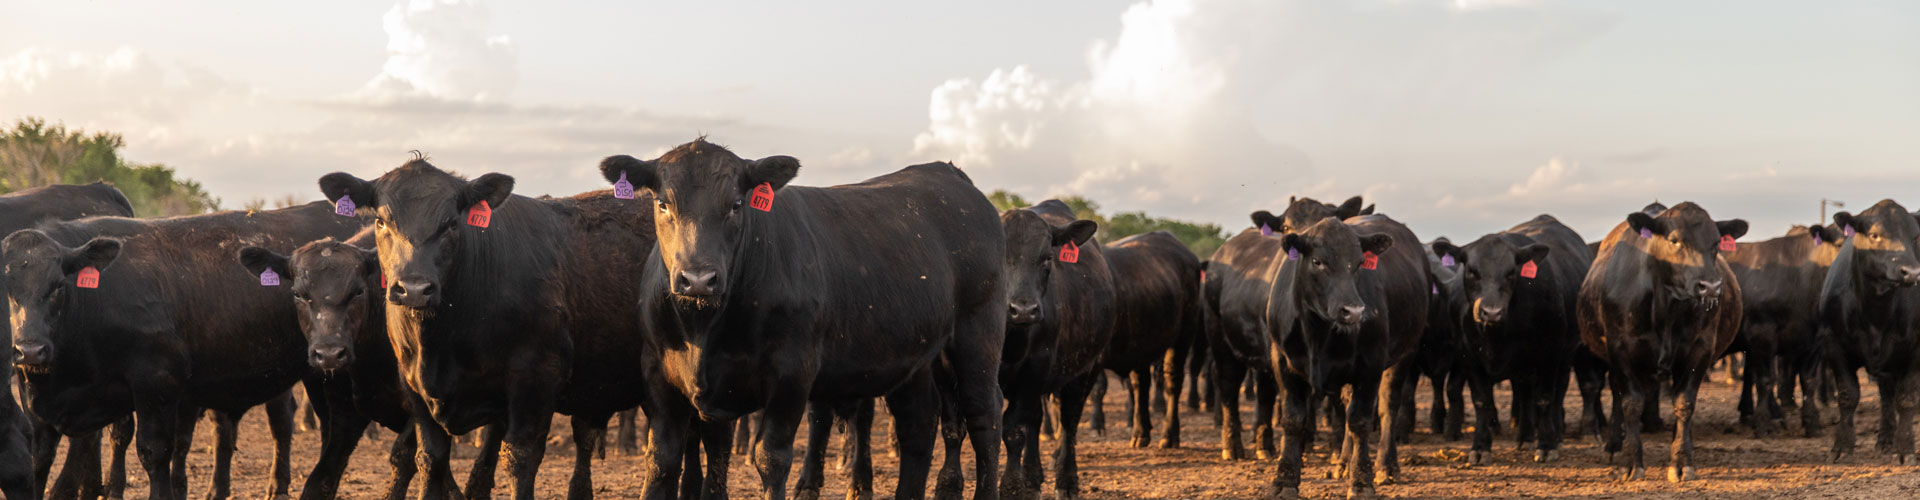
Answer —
1816 238
1266 231
1293 254
1646 233
269 278
344 207
1846 231
623 189
1446 260
1436 289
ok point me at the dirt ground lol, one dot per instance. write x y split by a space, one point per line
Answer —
1732 464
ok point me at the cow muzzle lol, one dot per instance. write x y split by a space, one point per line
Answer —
1022 312
413 293
32 357
329 358
697 283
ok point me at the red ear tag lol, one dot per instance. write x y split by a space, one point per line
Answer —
1203 276
1726 243
763 198
383 282
1369 261
480 215
89 278
1069 253
1529 270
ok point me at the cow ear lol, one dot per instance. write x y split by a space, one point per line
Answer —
1531 253
1077 232
493 188
369 262
1265 218
1367 211
773 170
1824 234
1844 220
1349 208
1376 244
1640 220
97 253
1733 227
639 173
1295 242
259 260
1443 246
342 184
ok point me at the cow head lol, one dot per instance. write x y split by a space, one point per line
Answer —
1684 243
420 216
1033 247
1491 272
700 194
331 281
41 289
1826 235
1303 212
1884 244
1330 255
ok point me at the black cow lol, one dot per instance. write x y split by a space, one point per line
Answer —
1659 305
1520 289
1437 357
1060 295
336 289
115 315
1347 306
764 296
26 208
1157 300
1780 281
1872 311
505 309
1237 282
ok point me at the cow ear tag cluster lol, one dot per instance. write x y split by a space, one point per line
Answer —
1726 243
1069 253
623 189
1369 261
480 215
88 278
1529 270
762 199
344 207
269 278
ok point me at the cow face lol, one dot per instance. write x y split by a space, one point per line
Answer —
1492 271
1033 248
42 287
331 281
1684 243
421 214
1883 242
701 193
1330 256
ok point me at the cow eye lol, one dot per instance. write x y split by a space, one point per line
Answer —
660 203
738 202
1317 264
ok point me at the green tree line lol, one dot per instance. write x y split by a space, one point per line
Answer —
1202 239
34 153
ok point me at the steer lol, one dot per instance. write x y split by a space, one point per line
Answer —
1871 308
1347 306
1237 283
504 309
1060 306
113 315
1780 282
764 296
1520 287
1659 305
1157 293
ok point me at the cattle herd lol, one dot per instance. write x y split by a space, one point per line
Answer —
714 297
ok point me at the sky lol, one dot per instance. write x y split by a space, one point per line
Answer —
1458 117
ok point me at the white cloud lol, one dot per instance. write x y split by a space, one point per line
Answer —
444 49
1555 175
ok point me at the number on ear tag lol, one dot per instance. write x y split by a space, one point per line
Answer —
762 197
344 207
1069 253
480 215
623 189
89 278
1529 270
269 278
1726 243
1369 261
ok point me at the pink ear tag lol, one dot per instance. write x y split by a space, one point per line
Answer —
1529 270
1293 254
1726 243
1646 233
1436 289
1846 231
1816 238
344 207
762 197
1069 253
1266 231
1369 261
1446 260
480 215
269 278
88 278
623 189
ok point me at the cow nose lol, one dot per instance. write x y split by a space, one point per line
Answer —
1023 312
1910 274
1491 314
413 293
1708 289
698 282
329 358
1352 314
30 354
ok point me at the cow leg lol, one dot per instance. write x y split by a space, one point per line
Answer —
158 420
1071 400
529 420
1745 405
1024 474
1456 402
1631 391
743 436
629 437
916 418
1296 425
399 458
588 432
480 479
1174 382
436 446
17 448
1907 401
1808 373
1687 391
189 418
950 483
1521 406
46 445
716 438
670 419
1437 414
1591 373
860 448
1387 469
1266 394
280 423
1847 395
1484 414
120 436
690 480
82 466
226 430
812 465
1227 375
1550 400
1403 382
1097 399
1142 414
341 435
974 361
779 422
1759 368
1889 411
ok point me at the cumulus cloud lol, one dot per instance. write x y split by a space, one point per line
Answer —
1556 174
444 49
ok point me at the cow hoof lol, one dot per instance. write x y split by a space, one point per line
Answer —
1544 456
1288 493
807 494
1169 444
859 495
1678 474
1066 495
1263 454
1479 457
1837 456
1139 442
1383 478
1632 473
1361 492
1905 459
